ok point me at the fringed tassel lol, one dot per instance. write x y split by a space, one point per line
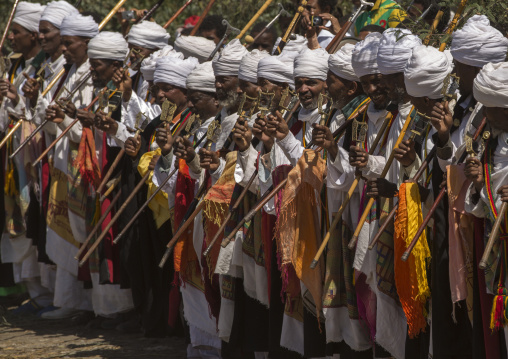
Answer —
498 316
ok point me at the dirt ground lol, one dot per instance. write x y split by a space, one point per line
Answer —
30 337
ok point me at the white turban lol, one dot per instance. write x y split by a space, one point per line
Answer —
340 63
365 55
202 78
395 49
425 72
148 35
28 15
248 70
108 45
478 43
195 46
228 62
312 64
56 11
278 68
79 25
148 64
174 71
491 85
298 44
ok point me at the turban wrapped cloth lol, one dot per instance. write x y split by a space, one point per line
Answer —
491 85
148 64
278 68
228 62
312 64
148 35
56 11
395 48
478 43
28 15
79 25
202 78
425 72
174 71
248 70
108 45
364 57
340 63
195 46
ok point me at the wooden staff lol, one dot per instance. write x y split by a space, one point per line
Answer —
64 132
202 17
103 23
8 25
173 18
290 28
97 226
393 212
108 175
334 44
254 18
120 210
493 235
454 22
40 127
194 208
282 12
11 132
438 199
338 215
388 164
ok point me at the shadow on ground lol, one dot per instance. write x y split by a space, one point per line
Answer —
35 338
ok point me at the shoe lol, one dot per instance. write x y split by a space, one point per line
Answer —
29 308
131 326
83 317
49 308
60 313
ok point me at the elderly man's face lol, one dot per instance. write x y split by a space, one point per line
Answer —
74 49
308 91
337 88
374 88
139 51
226 89
394 84
103 71
202 103
174 94
21 39
49 37
276 88
251 90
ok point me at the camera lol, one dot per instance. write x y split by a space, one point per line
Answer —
317 21
128 15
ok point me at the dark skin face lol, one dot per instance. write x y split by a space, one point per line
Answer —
75 49
176 95
308 91
272 86
103 71
467 74
394 84
210 35
24 41
202 103
340 90
224 85
250 89
49 37
265 42
375 89
142 52
423 104
497 117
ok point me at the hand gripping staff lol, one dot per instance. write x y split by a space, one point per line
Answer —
287 112
451 84
351 190
471 151
334 44
88 108
197 203
126 203
290 28
325 112
191 127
